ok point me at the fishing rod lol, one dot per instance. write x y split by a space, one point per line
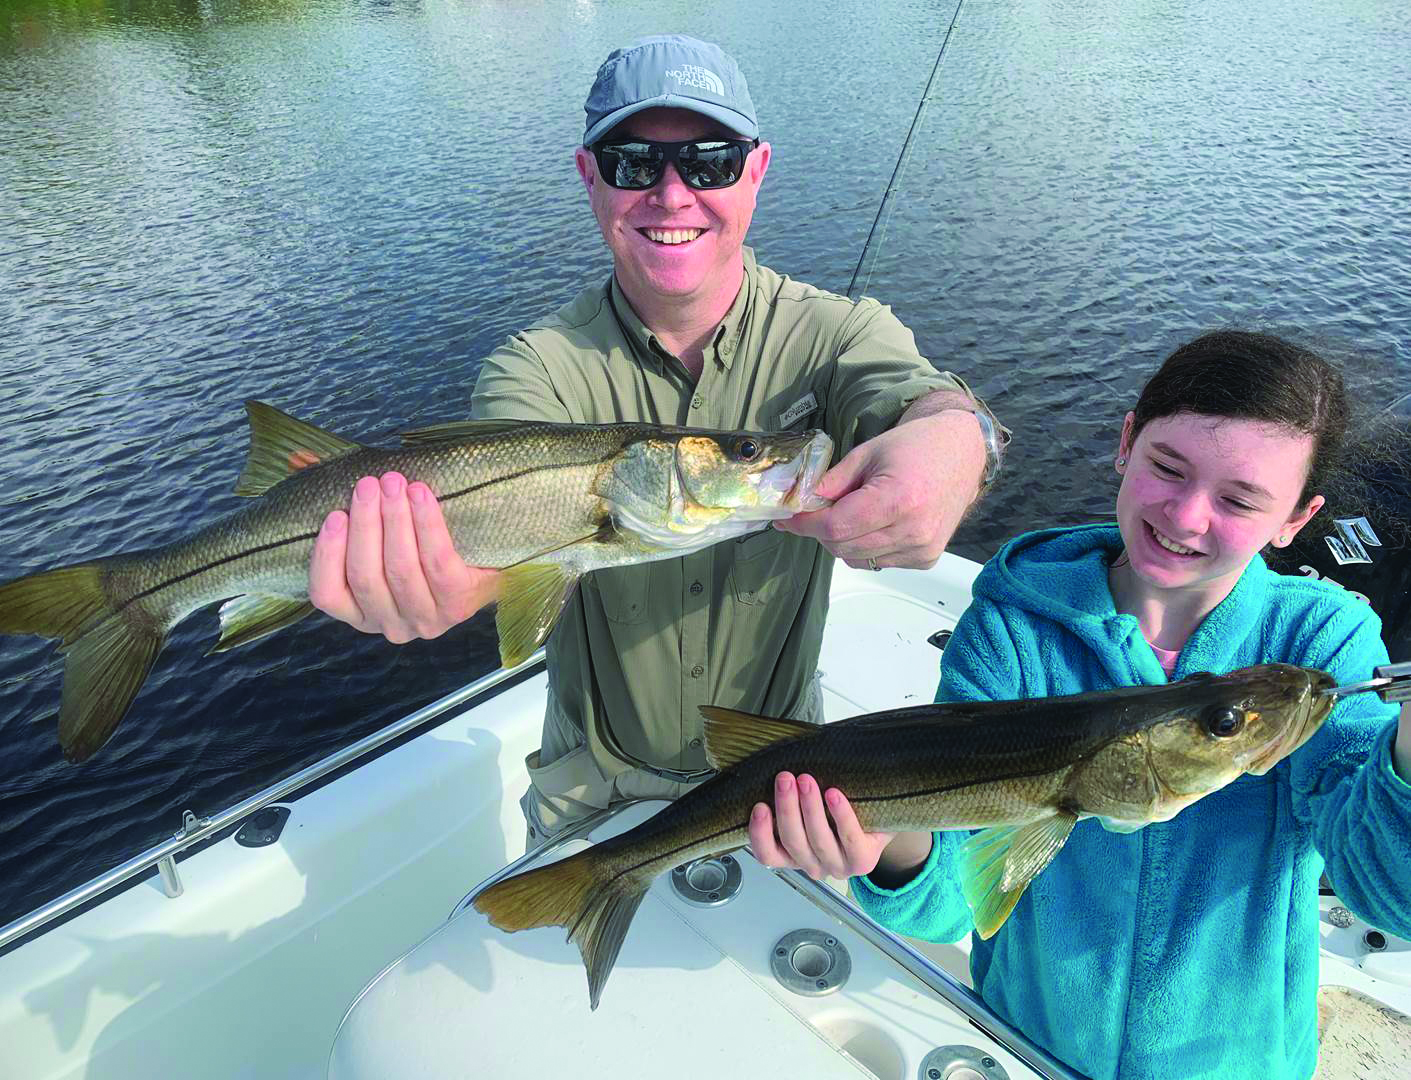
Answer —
902 158
1391 682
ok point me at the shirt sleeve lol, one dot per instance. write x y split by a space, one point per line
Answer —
980 663
1345 788
876 373
513 384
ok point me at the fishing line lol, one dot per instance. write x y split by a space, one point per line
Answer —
902 158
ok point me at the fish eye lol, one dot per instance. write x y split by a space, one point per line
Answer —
1224 721
747 449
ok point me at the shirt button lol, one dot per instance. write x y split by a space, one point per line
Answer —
696 587
697 671
694 744
697 401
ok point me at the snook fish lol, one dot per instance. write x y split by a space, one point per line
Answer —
1023 771
545 502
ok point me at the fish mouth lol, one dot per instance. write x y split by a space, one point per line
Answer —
1313 712
816 456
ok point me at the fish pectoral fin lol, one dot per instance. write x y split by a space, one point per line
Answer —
103 670
531 597
731 735
460 431
581 893
997 865
255 615
280 446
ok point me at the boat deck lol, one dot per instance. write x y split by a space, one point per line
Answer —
249 973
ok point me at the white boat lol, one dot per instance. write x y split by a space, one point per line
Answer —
322 941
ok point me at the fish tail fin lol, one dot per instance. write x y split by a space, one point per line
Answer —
107 656
997 865
58 603
583 894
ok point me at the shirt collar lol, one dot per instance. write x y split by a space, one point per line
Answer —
726 339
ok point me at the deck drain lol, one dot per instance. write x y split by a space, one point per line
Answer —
960 1063
810 962
1375 940
708 882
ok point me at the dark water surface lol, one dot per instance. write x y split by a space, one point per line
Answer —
339 206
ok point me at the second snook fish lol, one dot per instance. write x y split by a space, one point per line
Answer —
1023 771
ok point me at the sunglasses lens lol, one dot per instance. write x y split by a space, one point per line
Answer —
631 165
704 165
711 164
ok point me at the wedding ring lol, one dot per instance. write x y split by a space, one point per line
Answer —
872 564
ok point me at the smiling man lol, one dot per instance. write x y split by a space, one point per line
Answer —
689 330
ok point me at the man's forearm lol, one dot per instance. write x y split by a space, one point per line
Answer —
935 402
950 413
992 437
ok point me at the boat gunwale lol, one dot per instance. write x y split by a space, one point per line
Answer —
212 830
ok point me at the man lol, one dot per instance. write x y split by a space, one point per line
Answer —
690 330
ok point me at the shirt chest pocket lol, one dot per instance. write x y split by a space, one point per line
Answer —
764 568
623 592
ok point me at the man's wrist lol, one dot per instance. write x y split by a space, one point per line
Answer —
996 439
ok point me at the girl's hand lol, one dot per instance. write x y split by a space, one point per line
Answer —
814 830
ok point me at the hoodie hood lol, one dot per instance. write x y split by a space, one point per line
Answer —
1059 576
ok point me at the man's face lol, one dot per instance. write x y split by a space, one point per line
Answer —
672 242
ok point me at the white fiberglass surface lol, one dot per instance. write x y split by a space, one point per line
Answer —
249 971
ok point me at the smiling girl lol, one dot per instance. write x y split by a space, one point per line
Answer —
1188 948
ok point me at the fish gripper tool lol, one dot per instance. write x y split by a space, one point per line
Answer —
1391 682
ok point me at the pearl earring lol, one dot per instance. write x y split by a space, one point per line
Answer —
1283 539
1121 461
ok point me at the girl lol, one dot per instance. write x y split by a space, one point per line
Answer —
1188 948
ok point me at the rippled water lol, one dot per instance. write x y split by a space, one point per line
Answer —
340 206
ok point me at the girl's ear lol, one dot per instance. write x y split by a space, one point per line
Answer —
1300 518
1124 444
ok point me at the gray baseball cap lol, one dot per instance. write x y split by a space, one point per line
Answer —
673 71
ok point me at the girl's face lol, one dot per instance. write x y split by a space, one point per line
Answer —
1201 495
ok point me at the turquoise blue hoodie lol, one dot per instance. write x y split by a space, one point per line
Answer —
1190 947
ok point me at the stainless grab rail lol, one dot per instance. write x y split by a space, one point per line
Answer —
195 830
956 994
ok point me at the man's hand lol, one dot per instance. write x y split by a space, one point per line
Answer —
799 833
900 496
388 567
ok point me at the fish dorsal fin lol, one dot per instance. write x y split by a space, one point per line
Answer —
459 431
280 446
731 735
997 865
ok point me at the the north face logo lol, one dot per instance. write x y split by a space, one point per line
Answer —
690 75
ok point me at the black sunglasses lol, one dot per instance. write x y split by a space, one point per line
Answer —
704 164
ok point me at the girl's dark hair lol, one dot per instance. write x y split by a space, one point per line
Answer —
1245 375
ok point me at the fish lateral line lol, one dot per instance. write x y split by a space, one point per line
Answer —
208 567
945 788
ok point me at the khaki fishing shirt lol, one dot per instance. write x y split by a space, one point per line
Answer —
739 624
